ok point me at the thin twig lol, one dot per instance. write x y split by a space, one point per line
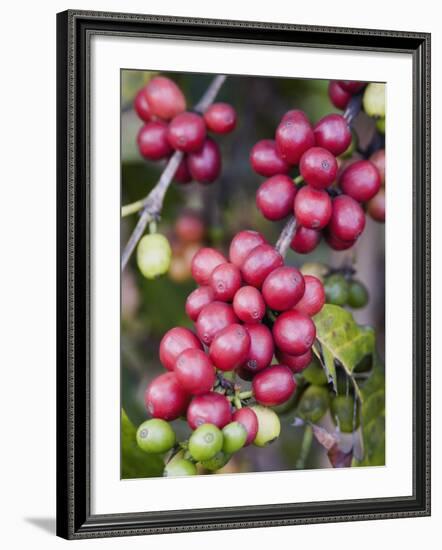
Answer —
286 236
153 203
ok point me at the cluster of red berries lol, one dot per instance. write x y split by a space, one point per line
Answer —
326 203
340 92
169 127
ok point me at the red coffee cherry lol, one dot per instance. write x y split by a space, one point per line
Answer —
182 174
318 167
142 107
305 240
187 132
194 371
197 299
265 159
378 159
174 342
152 140
244 373
294 136
203 264
275 197
249 305
294 332
261 261
225 280
273 385
212 319
296 114
165 398
376 206
205 164
351 86
360 180
296 363
242 244
338 96
247 417
347 221
261 348
313 208
313 298
210 408
283 288
190 228
220 118
230 347
165 99
333 133
337 244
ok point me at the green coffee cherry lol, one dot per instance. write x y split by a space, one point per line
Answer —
336 289
205 442
155 436
234 437
269 426
342 410
357 294
380 125
153 255
316 269
315 373
179 467
313 403
217 462
373 99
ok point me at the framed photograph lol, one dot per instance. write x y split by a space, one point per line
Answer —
243 274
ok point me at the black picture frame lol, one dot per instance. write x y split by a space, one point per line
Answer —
74 518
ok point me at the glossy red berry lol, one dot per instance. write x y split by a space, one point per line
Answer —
212 319
351 86
313 208
220 118
242 244
204 262
376 206
249 420
305 240
294 332
249 305
275 197
230 347
225 280
347 221
189 228
165 397
205 164
337 244
197 299
360 180
182 174
318 167
294 136
333 133
273 385
338 96
174 342
265 159
313 298
261 261
195 371
187 132
296 363
261 348
209 408
152 140
142 107
283 288
165 98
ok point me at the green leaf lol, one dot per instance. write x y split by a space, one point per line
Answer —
135 462
341 339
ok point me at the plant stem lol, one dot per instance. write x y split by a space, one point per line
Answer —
245 394
299 179
353 108
132 208
305 447
286 237
153 203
